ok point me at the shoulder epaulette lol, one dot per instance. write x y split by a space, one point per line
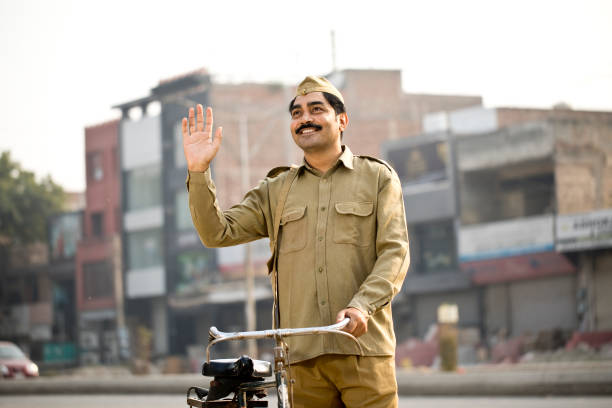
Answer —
376 159
277 170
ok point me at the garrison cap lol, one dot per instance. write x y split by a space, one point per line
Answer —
317 84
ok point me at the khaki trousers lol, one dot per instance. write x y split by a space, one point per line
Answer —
335 380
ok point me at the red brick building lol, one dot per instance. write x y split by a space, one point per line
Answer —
98 268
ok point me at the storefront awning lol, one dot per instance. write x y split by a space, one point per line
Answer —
530 266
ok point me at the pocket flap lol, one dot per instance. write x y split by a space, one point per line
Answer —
360 209
292 214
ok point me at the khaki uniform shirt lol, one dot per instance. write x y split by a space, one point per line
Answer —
342 243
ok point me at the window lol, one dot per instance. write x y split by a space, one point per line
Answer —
65 231
97 224
432 247
179 154
522 190
31 289
118 214
115 161
536 192
95 166
421 164
181 210
145 249
143 188
97 280
195 270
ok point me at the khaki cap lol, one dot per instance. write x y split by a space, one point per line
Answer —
317 84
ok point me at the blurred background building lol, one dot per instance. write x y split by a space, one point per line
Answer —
38 304
509 218
509 213
98 278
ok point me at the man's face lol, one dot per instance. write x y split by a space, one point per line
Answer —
315 127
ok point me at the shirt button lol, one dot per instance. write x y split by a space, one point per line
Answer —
320 238
323 303
320 269
322 208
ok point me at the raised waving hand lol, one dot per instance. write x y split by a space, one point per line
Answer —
198 144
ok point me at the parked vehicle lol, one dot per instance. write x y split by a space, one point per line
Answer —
15 364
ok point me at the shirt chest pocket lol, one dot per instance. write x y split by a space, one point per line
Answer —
354 223
294 229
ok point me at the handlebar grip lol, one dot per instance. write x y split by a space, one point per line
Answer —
213 333
342 324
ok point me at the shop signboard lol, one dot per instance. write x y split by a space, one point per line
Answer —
506 238
590 230
59 353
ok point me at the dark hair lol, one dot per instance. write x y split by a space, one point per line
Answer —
333 100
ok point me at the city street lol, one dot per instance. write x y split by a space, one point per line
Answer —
168 401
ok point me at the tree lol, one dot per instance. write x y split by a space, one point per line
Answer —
25 205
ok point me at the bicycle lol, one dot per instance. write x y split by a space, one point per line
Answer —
244 377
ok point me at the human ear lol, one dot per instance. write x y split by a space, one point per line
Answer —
343 121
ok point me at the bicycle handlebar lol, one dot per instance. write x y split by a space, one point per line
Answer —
216 336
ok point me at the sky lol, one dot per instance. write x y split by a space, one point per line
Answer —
64 64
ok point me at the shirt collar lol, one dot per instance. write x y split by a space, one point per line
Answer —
345 158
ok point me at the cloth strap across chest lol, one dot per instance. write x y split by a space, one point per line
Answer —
273 261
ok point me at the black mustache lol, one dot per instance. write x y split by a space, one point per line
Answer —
308 125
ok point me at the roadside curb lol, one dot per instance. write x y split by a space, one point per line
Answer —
506 384
584 381
158 384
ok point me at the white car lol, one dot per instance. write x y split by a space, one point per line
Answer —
15 364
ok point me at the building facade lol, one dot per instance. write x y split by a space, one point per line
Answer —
508 216
38 308
99 289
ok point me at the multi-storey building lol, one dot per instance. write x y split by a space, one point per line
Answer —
583 180
27 303
425 166
488 196
142 221
39 309
163 257
99 291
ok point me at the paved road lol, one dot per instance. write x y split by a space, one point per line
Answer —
178 401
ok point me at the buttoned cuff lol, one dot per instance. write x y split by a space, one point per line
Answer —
361 306
198 177
366 308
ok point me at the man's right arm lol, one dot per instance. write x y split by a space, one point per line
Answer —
241 223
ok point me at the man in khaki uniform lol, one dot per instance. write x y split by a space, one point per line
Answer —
342 247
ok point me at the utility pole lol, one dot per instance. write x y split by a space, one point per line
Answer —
333 50
287 142
249 305
122 333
